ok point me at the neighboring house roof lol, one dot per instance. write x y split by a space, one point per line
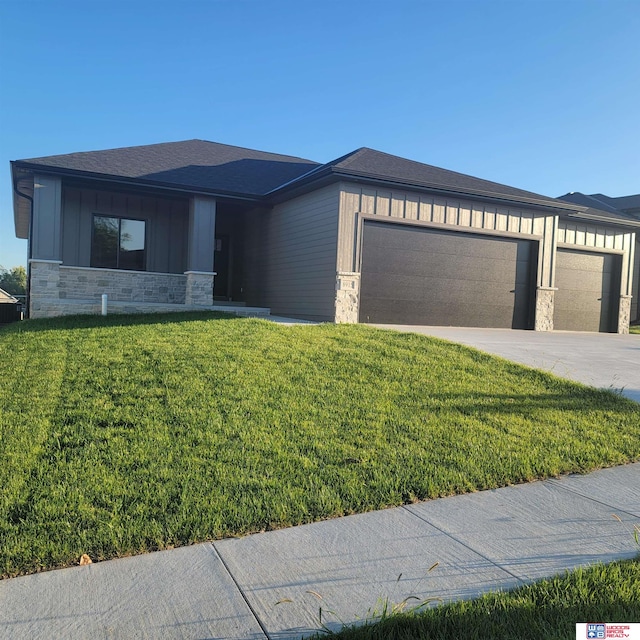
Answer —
6 297
598 207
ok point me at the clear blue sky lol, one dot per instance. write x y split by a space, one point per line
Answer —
540 95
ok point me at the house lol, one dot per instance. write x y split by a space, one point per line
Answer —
10 308
7 298
368 237
628 206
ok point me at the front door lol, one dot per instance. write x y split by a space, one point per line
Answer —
221 284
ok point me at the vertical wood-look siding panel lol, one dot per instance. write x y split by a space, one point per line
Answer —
526 223
397 205
464 216
351 201
439 210
302 241
412 207
502 219
451 213
425 210
514 222
368 201
383 203
489 221
477 216
70 226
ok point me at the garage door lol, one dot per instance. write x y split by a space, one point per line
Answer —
413 275
588 295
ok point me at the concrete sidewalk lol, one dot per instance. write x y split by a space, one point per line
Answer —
272 585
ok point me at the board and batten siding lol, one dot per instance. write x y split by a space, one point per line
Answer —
603 238
437 211
167 226
298 241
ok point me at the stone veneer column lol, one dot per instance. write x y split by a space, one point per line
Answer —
347 296
199 289
624 314
544 308
44 286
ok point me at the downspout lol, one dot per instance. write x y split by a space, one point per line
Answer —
30 199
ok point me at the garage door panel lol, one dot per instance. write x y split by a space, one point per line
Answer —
413 313
588 291
417 263
442 289
425 276
445 243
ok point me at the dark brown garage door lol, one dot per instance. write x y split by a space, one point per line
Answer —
413 275
588 295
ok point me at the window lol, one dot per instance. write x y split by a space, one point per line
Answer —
118 243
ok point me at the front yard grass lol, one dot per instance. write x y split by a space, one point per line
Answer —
122 435
634 328
547 609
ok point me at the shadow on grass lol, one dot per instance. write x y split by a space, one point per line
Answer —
114 320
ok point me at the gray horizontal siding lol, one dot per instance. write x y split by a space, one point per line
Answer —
167 224
299 256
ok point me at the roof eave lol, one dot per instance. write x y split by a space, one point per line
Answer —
329 174
615 222
136 182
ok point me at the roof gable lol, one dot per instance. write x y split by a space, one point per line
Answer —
370 164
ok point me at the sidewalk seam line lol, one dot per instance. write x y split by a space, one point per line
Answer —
556 483
466 546
241 591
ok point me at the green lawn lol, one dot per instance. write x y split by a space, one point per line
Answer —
635 328
122 435
548 609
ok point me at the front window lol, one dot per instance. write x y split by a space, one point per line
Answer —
118 243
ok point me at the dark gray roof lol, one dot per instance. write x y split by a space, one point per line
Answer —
192 164
598 208
375 165
589 201
624 203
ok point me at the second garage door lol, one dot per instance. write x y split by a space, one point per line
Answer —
588 294
414 275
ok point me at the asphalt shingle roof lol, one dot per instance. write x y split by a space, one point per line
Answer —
377 165
598 207
195 164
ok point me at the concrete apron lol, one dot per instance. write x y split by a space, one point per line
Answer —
603 360
273 585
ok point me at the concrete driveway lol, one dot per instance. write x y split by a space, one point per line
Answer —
602 360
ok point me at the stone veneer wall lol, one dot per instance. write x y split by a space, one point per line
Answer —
199 288
624 314
347 296
86 283
544 308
